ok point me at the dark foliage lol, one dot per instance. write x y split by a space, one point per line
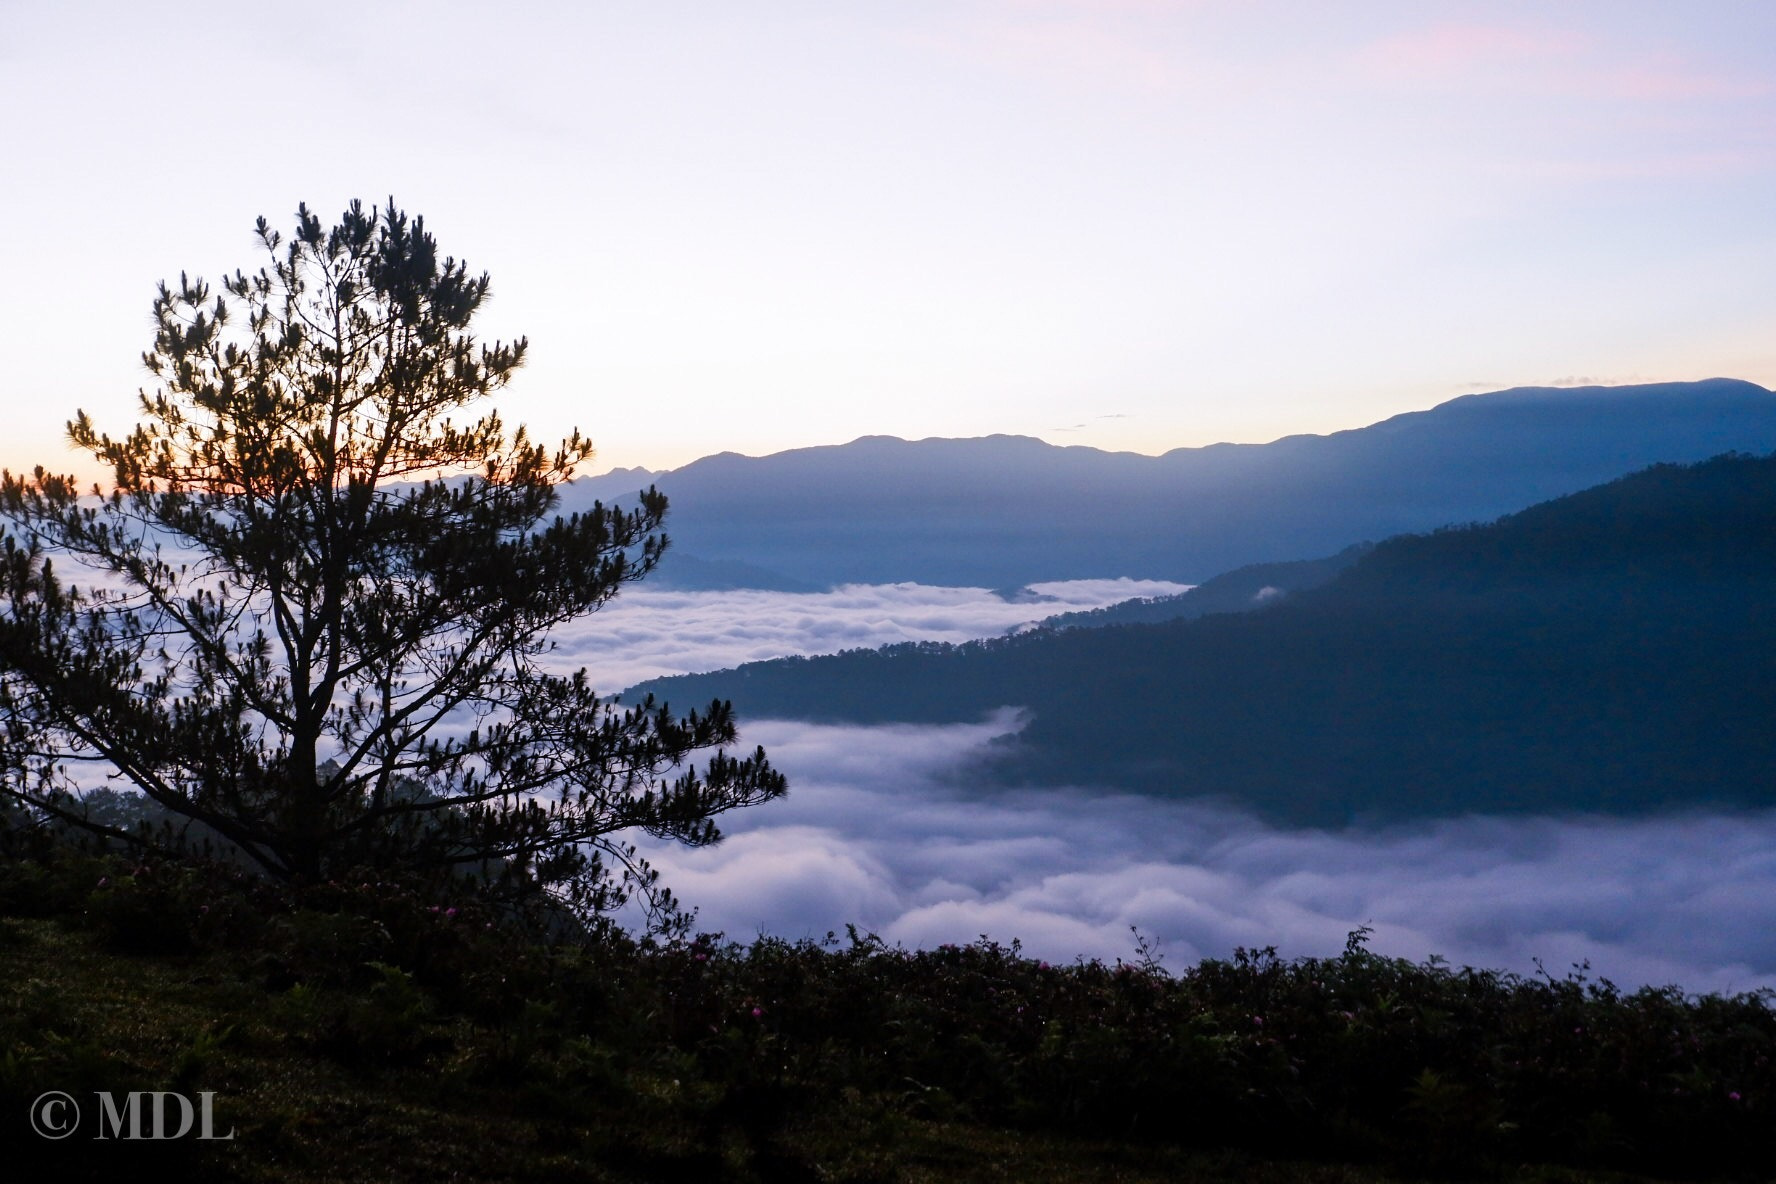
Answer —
1354 1058
313 605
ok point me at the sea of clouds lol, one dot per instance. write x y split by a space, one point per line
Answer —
881 829
877 832
646 632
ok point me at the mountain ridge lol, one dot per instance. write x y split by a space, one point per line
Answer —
1003 511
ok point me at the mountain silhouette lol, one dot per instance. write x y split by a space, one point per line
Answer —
1003 511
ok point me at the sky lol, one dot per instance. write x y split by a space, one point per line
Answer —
1130 224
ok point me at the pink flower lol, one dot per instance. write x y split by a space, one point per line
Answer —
1733 1096
450 912
758 1013
1257 1021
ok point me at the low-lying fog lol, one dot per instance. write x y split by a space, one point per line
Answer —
879 831
645 633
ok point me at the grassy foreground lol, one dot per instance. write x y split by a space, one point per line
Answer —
370 1030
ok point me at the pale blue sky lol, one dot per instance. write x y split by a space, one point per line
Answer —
1133 224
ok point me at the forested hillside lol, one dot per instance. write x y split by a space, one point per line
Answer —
1256 585
1609 651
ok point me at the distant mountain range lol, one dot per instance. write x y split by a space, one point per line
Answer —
1613 650
1003 511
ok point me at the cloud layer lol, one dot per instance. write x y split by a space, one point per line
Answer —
645 632
877 832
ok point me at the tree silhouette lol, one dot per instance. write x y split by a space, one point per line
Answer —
315 606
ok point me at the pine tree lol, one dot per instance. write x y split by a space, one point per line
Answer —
315 606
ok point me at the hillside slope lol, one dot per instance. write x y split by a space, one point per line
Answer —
1256 585
1613 650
